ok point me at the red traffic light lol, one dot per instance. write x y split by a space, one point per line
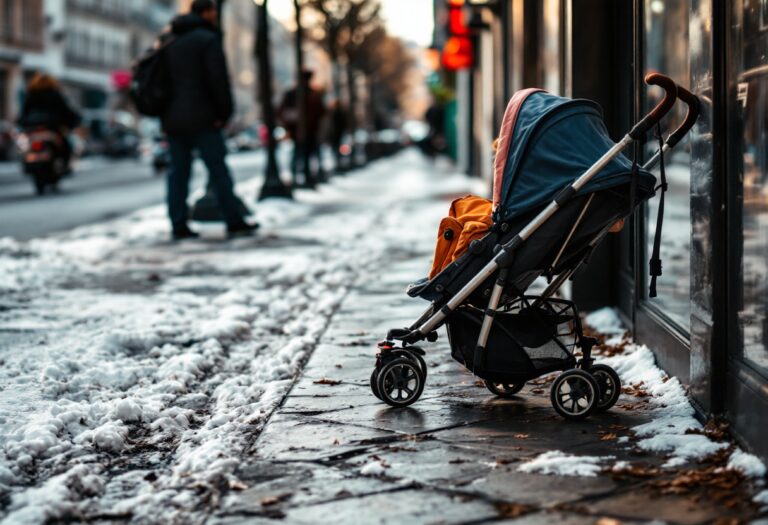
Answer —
457 53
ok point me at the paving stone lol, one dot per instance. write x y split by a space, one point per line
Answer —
296 438
273 487
412 507
647 506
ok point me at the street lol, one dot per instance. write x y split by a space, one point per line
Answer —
98 190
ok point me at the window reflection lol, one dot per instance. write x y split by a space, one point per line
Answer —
749 109
666 51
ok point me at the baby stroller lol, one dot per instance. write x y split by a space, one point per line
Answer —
560 184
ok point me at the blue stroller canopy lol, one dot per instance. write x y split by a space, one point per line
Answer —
553 141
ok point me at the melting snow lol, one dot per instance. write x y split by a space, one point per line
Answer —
671 411
136 398
559 463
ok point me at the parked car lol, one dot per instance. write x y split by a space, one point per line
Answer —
7 140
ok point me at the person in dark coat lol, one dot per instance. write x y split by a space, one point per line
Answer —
201 105
45 106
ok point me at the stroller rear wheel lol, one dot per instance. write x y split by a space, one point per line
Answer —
575 394
610 386
400 382
505 390
374 386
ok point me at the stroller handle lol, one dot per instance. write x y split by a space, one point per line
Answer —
694 108
661 109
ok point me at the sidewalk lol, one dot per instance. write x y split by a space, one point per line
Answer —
227 382
333 453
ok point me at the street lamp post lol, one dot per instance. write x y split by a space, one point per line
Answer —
300 141
273 186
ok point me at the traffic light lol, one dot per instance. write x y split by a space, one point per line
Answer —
457 51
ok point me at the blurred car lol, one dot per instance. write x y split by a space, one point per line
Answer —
246 140
121 142
161 155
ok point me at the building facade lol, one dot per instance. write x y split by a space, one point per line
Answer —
709 323
22 25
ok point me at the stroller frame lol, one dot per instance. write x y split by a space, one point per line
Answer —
405 364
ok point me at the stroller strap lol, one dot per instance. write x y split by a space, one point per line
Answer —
655 262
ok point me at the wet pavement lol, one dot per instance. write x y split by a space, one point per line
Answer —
333 453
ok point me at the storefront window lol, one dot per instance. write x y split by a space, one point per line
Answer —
749 127
666 51
550 46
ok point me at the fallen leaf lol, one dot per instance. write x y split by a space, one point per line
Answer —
608 437
274 500
512 510
326 381
521 436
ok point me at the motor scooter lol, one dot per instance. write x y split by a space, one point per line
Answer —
44 157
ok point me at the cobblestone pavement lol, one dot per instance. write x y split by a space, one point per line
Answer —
450 458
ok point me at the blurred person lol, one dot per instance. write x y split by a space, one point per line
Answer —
435 143
45 106
288 113
201 106
337 126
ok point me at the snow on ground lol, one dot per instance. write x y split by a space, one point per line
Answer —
672 414
138 371
561 464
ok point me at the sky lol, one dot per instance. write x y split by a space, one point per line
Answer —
408 19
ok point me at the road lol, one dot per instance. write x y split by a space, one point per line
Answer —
98 190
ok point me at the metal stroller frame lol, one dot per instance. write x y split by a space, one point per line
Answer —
397 368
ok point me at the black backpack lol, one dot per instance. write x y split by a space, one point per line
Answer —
150 82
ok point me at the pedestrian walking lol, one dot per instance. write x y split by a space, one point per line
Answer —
289 115
337 127
199 109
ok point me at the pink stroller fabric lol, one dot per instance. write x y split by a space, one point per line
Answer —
505 139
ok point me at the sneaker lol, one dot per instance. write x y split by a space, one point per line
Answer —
183 232
241 229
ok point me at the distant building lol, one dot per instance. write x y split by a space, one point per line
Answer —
21 34
88 44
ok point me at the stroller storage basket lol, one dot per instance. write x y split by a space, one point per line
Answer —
531 336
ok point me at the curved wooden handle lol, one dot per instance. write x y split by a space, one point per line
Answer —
694 108
661 109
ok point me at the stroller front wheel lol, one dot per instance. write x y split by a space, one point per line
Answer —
505 390
575 394
400 382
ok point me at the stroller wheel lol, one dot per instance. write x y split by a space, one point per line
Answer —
575 394
400 382
610 386
413 356
504 390
374 386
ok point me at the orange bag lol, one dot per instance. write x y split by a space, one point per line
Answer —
468 219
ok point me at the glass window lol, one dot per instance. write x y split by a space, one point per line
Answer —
666 51
749 155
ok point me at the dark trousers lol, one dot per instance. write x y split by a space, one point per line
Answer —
213 150
313 156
